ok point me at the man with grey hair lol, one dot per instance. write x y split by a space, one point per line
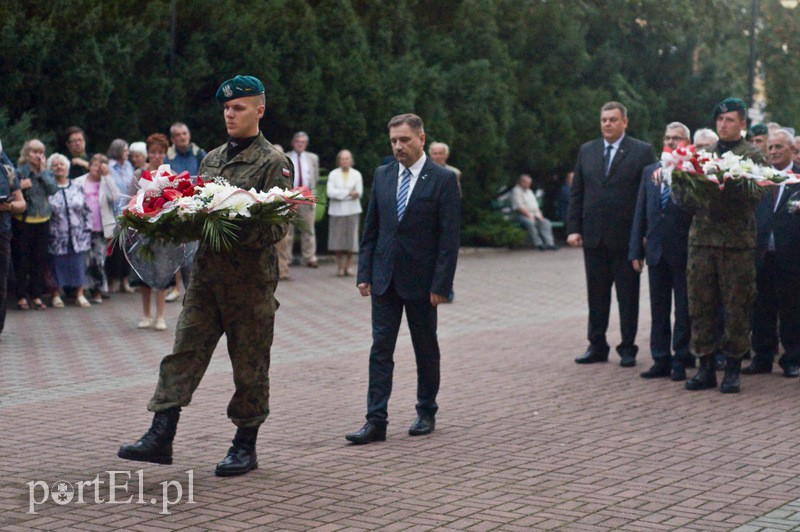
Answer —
776 314
529 215
660 234
306 173
439 153
705 139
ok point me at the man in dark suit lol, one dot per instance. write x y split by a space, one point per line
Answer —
660 233
777 269
407 260
601 207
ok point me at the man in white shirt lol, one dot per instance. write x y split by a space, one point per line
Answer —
306 173
527 212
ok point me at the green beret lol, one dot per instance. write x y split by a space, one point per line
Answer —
239 87
727 105
758 129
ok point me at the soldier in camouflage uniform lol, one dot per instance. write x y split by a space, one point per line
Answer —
721 268
230 292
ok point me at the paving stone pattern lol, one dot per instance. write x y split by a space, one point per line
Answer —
525 438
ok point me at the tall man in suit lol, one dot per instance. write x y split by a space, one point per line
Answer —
601 207
660 233
777 269
306 173
407 260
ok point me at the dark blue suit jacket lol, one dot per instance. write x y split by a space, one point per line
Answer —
667 229
418 255
601 207
783 224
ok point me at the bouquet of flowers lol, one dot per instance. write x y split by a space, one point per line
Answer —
703 175
171 208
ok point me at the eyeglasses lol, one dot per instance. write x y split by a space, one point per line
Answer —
676 138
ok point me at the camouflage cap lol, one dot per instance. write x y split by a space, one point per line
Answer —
729 104
239 87
758 129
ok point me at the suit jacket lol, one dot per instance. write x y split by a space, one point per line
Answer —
418 254
783 224
666 230
314 174
601 208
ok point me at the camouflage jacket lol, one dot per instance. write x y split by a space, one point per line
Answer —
253 257
729 220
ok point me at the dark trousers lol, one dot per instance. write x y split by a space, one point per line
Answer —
387 313
606 268
778 301
666 280
5 266
30 257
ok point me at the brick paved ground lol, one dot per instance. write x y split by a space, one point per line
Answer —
525 440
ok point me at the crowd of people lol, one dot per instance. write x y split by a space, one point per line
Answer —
730 265
59 216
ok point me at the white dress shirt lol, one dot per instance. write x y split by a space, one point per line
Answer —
614 149
305 166
415 168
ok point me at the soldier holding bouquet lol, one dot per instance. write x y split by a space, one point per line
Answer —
721 270
231 292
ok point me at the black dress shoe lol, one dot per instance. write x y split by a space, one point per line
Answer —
422 425
590 357
627 361
370 432
678 373
239 460
791 370
661 368
758 365
241 457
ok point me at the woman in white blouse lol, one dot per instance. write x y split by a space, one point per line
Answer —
345 187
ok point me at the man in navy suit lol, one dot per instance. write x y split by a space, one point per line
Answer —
660 233
407 260
601 206
777 269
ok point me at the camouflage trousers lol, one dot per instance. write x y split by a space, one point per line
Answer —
720 278
245 312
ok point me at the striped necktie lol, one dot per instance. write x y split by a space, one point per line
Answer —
402 194
664 195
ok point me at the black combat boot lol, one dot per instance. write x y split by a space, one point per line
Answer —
705 377
156 445
242 456
730 382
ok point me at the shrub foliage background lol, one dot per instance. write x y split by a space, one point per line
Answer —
510 85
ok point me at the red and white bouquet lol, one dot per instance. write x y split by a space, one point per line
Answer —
703 175
174 208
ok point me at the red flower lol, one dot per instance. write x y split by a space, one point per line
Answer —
158 204
185 187
146 175
171 194
200 182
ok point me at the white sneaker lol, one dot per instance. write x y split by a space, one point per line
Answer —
57 302
161 325
81 301
146 322
173 295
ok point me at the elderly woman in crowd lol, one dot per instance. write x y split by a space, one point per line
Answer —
70 232
157 145
117 268
102 195
138 155
31 230
345 187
